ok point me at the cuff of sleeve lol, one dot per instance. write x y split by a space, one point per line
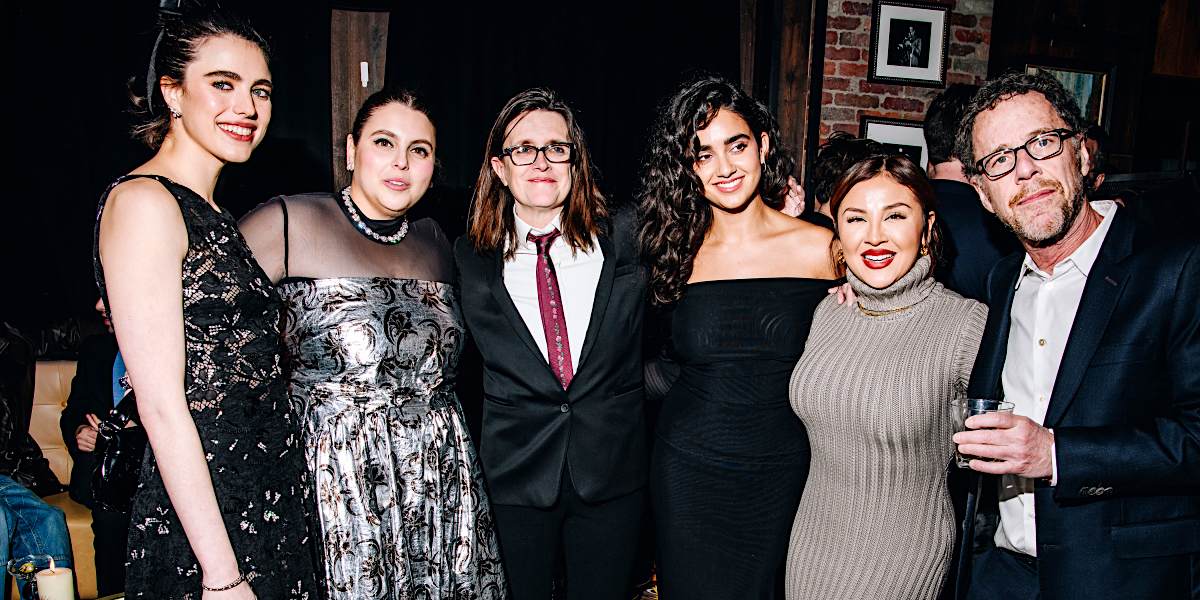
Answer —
1053 463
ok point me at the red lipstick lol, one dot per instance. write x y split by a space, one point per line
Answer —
877 258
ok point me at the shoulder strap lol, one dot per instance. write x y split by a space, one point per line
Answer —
283 207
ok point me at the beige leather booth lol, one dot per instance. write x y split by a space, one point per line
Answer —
52 385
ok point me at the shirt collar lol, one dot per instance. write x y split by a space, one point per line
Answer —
1084 257
523 229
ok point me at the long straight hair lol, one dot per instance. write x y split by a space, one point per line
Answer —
585 210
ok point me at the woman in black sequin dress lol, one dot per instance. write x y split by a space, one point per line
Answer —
738 281
220 510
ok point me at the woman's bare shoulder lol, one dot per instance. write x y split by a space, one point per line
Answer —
809 245
803 234
141 195
142 209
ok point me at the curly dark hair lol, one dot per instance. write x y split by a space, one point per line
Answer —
181 35
1002 88
837 154
673 214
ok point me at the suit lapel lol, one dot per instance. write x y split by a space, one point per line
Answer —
504 301
600 303
1103 289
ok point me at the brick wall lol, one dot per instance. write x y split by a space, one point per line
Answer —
846 94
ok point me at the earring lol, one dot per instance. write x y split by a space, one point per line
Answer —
841 258
349 166
924 250
174 113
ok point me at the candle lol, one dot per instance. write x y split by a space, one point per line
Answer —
55 583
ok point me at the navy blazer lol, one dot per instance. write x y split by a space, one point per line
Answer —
533 429
1124 518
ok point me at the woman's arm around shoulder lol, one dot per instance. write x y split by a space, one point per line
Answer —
143 241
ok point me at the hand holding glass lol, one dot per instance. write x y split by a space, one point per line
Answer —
962 409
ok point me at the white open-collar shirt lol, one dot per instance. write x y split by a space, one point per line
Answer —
1043 312
578 274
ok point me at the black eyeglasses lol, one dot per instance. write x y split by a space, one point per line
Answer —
1039 147
525 154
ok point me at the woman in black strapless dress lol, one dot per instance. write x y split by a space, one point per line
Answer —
739 282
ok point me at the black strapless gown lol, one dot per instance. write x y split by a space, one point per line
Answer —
730 457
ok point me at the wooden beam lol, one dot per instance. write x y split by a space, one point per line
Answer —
356 37
796 75
747 22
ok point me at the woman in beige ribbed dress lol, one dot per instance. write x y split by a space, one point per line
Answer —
873 389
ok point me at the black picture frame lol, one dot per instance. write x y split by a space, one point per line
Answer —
909 43
1090 83
902 135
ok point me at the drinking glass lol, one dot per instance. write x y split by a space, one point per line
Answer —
962 409
24 568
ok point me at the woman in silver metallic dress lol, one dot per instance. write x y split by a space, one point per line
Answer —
374 332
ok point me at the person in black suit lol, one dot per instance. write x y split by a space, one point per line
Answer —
553 294
973 241
1094 334
91 398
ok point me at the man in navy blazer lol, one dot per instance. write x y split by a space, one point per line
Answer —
1094 334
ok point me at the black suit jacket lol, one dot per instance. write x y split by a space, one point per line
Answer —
532 427
974 240
91 392
1124 518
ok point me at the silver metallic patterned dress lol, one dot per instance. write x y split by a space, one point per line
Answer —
402 508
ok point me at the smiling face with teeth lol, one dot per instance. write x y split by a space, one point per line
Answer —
729 161
224 99
881 229
393 161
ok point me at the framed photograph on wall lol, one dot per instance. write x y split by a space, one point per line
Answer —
1086 82
902 136
909 40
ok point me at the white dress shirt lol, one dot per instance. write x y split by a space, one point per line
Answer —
1043 312
578 274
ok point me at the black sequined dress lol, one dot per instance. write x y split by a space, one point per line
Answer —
237 397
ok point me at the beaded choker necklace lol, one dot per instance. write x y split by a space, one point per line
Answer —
367 231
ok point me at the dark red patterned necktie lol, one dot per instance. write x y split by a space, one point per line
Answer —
554 321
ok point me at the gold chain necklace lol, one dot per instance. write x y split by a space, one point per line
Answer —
880 314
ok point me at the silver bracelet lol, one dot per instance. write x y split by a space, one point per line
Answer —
236 582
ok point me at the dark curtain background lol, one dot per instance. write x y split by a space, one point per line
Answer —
68 62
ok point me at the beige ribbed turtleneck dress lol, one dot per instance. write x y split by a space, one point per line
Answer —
875 521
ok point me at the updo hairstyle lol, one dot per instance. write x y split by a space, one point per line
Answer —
180 36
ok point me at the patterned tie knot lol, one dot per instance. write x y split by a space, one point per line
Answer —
543 241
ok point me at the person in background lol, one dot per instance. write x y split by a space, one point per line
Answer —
553 294
1094 487
1096 141
738 281
30 526
27 524
96 390
374 332
873 390
974 240
836 155
220 511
